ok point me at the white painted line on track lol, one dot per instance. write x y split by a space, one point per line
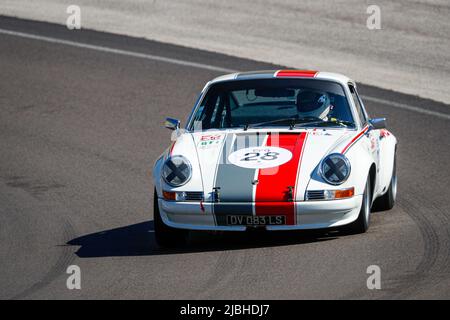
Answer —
407 107
116 51
195 65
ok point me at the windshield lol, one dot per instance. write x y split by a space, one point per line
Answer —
273 102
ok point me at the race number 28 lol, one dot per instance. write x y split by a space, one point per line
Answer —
260 157
255 156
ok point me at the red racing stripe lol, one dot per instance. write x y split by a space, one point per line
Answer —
171 148
296 73
359 135
272 192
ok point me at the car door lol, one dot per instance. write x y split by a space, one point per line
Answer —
372 136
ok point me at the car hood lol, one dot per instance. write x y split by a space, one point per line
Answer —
258 165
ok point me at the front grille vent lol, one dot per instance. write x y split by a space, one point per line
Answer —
194 196
315 195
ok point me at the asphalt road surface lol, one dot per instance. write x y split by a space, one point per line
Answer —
319 35
80 128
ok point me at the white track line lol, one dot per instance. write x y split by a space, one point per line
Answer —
196 65
408 107
116 51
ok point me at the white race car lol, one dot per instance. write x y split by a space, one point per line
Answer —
280 150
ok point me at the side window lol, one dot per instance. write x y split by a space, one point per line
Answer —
363 108
359 107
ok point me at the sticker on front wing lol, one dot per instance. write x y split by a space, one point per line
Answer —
210 141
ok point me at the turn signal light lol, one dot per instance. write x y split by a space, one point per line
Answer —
169 195
338 194
346 193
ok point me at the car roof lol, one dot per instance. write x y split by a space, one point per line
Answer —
268 74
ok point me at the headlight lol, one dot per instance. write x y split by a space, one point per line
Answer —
335 168
177 171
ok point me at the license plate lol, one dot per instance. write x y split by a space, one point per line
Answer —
240 220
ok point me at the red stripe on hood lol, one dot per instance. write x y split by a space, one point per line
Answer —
272 190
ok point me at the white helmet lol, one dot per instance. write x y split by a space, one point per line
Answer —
313 104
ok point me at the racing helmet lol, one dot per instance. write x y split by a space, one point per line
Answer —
313 104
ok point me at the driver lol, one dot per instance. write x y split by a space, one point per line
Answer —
313 104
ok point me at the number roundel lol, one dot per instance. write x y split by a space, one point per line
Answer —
260 157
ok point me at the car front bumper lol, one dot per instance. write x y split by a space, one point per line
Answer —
309 215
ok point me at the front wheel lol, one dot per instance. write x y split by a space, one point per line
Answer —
361 224
166 236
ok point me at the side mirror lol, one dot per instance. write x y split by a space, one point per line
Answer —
378 123
172 124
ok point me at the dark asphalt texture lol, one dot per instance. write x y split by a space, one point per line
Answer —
79 132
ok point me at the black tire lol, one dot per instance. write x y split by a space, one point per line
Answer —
361 225
166 236
387 201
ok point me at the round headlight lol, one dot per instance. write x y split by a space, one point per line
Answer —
177 171
335 168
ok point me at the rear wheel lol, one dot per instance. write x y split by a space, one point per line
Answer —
361 224
387 201
166 236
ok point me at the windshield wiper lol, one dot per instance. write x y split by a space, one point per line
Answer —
291 122
341 123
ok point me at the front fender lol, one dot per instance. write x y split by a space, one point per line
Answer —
185 146
156 173
360 161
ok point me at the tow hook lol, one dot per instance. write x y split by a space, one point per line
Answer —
216 194
291 193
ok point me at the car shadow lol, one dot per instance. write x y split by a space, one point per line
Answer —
138 240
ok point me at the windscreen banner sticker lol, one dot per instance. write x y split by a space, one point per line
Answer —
260 157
